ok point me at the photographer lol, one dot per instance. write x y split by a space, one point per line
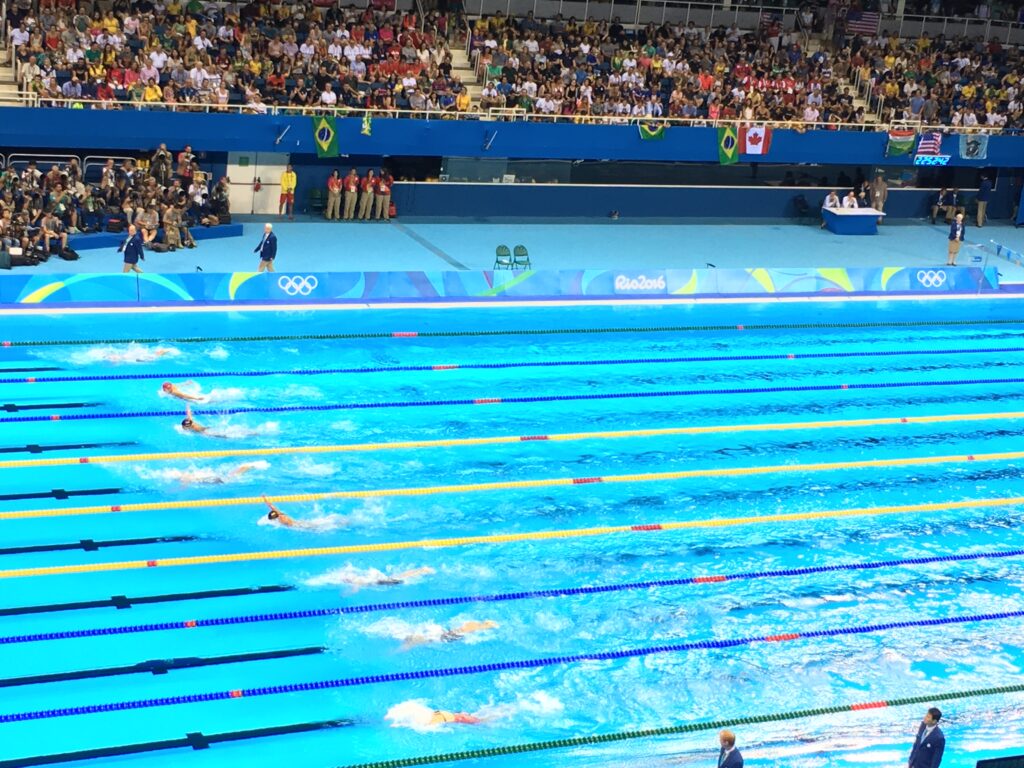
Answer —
160 166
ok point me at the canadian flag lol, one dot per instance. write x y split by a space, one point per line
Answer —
755 140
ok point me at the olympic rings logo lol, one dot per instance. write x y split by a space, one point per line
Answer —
298 286
931 278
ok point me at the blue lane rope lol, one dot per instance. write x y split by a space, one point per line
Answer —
472 669
503 597
515 400
495 366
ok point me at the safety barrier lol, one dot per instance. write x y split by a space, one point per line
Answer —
259 618
509 332
508 538
500 666
504 485
499 366
677 730
505 440
518 400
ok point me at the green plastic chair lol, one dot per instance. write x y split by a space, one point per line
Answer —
521 258
503 258
316 201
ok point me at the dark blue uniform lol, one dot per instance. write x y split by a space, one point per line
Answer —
132 248
267 249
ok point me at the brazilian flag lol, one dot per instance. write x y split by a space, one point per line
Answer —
367 129
728 146
652 132
325 136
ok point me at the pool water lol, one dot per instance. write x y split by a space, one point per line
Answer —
801 390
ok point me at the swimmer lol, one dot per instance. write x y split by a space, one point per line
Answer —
452 635
191 425
420 716
138 355
442 716
209 477
375 578
173 391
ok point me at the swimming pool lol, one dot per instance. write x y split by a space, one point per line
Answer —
611 447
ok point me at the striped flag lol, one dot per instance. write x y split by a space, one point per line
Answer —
930 143
863 22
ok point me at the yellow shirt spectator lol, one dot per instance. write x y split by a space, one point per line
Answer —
111 24
174 8
288 182
191 28
463 101
968 91
153 93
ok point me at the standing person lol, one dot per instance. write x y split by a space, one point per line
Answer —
383 195
185 160
930 743
367 185
879 194
287 200
267 249
132 248
831 201
728 755
334 186
984 193
956 237
351 187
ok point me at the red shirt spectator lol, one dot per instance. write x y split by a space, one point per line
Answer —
334 184
384 183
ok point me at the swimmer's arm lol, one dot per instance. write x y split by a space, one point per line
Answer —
270 504
186 396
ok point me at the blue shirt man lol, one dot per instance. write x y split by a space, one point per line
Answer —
728 755
930 743
267 249
132 248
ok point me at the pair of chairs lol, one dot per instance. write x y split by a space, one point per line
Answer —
518 258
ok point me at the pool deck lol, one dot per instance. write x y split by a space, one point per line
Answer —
407 244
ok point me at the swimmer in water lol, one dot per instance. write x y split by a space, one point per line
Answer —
138 355
452 635
191 425
386 580
208 477
442 716
173 391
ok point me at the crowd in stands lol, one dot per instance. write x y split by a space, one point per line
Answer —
163 196
257 55
600 70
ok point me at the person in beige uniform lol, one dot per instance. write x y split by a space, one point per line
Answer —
879 194
383 196
333 210
350 185
368 185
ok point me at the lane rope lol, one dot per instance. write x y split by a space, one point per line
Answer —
507 538
505 485
509 332
500 440
350 610
508 365
500 666
517 400
674 730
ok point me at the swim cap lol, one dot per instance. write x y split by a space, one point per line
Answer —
167 386
273 514
186 422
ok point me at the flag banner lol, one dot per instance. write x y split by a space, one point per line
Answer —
727 146
863 22
901 141
974 147
652 132
325 136
930 143
367 128
755 140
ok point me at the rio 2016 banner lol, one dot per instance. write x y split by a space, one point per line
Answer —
362 287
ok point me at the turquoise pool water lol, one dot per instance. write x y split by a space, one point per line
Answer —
893 370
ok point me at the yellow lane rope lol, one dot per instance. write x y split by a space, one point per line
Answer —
282 554
638 477
500 440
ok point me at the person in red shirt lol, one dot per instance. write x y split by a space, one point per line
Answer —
382 194
351 187
334 196
368 186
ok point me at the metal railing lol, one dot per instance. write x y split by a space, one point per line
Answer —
500 115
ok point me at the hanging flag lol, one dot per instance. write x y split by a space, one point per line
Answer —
901 141
863 22
325 136
974 147
727 146
755 140
652 132
930 143
367 128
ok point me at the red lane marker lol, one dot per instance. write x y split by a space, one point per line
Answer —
781 638
486 400
31 380
115 509
55 417
970 458
236 694
903 421
709 579
651 527
404 334
585 480
7 344
791 357
870 705
83 460
443 367
151 563
845 386
191 623
524 438
739 327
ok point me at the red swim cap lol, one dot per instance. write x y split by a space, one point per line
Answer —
167 386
